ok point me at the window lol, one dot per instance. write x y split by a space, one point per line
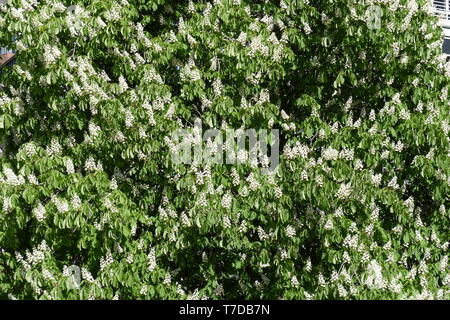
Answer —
442 10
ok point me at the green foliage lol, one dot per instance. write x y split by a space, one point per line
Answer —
357 209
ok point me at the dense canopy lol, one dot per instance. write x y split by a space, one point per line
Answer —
358 207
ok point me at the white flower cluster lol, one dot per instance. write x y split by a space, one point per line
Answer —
243 227
346 154
329 224
130 258
144 39
351 241
17 13
34 257
278 192
298 150
94 129
226 222
114 14
290 231
109 205
123 85
170 111
217 87
12 178
330 154
69 166
91 165
256 45
376 179
32 179
129 119
106 261
6 204
86 275
51 54
54 148
262 234
393 183
39 212
61 204
75 202
236 179
294 282
151 260
202 200
242 38
344 191
307 28
144 290
227 201
375 278
151 75
254 184
30 149
47 275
